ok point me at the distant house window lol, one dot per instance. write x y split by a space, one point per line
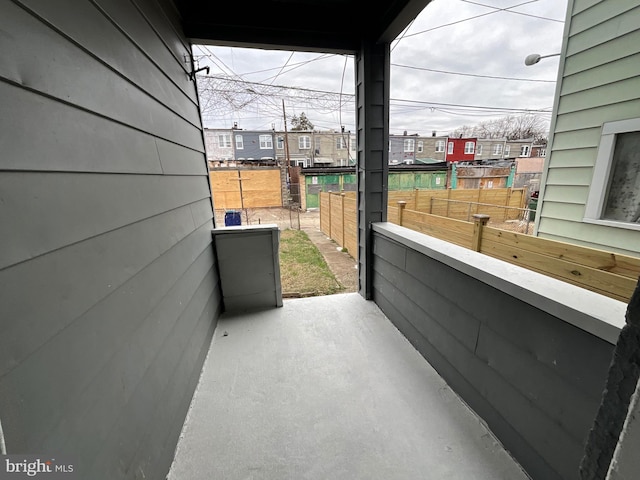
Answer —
224 140
525 150
304 142
479 150
614 196
497 149
469 148
409 145
239 142
280 143
266 142
543 152
352 144
341 143
507 150
420 146
439 146
450 148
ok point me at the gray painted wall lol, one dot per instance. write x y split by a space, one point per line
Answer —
108 286
534 378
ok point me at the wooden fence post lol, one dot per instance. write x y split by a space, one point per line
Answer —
342 199
415 199
479 221
330 215
401 205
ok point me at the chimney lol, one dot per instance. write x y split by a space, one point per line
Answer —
433 133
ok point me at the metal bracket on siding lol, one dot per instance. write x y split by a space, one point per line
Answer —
192 75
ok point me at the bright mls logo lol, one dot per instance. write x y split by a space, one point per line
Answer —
36 466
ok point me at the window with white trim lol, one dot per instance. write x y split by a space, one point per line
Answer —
507 150
543 152
420 146
614 195
239 142
497 149
224 140
479 150
280 143
266 142
341 143
304 142
439 146
469 148
450 148
525 150
409 145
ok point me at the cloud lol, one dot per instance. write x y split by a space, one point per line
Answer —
494 43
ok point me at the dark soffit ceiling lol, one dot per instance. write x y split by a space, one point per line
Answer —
309 25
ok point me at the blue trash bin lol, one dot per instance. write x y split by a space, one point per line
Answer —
232 217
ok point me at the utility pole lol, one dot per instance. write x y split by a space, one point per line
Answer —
286 149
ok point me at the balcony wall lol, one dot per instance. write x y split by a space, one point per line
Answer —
528 353
108 286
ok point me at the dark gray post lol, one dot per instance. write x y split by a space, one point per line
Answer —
372 126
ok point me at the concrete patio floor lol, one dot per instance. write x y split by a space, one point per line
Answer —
327 388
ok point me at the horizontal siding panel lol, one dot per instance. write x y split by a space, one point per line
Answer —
61 209
175 375
566 194
618 92
587 138
563 211
51 70
599 13
577 157
100 36
617 240
610 51
540 385
610 72
580 176
604 31
36 133
581 5
170 34
72 280
104 337
128 18
178 160
595 117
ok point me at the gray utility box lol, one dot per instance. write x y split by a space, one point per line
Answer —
249 264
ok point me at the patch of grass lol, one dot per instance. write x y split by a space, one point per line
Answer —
303 269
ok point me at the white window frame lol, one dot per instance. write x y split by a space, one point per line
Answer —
280 143
602 171
507 150
469 148
239 142
543 152
497 149
266 142
304 142
479 149
341 143
450 148
420 146
224 140
409 145
440 146
525 150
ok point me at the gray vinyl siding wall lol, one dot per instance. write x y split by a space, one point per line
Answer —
533 378
108 286
600 82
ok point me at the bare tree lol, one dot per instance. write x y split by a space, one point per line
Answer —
511 127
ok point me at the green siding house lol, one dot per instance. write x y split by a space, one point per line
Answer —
590 191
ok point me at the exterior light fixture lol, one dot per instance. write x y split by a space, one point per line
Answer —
536 57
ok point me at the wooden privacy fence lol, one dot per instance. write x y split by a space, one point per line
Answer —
339 219
607 273
610 274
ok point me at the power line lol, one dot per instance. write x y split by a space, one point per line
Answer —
472 74
468 18
514 12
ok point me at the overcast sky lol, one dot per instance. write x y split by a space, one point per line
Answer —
462 37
